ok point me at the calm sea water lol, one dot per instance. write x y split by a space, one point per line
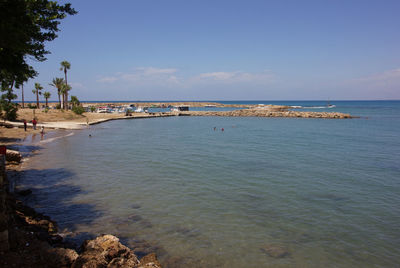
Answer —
326 191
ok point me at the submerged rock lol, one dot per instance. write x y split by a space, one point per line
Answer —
275 251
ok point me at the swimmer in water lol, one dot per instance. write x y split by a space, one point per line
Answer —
222 129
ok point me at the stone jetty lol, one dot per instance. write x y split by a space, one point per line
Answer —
268 111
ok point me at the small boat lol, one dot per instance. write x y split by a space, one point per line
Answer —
142 110
103 110
180 108
329 105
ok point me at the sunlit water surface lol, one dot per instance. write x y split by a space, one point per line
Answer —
326 191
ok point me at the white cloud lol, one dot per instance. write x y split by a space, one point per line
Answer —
384 85
143 75
265 77
76 85
107 79
217 75
155 71
387 76
171 78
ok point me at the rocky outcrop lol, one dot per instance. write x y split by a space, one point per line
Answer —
103 251
13 156
30 239
34 242
107 251
268 112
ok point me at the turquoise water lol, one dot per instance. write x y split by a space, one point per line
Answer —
327 191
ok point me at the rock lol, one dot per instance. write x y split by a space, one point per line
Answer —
275 251
65 256
13 156
105 251
24 192
149 260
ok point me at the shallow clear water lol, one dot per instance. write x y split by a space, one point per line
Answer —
328 191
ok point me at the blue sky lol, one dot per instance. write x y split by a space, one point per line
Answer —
227 50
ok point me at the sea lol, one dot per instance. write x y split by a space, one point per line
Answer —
264 192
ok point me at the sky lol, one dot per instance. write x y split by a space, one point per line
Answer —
227 50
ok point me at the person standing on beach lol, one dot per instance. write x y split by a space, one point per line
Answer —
34 122
25 124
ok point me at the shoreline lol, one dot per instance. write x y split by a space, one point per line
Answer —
59 119
33 239
29 219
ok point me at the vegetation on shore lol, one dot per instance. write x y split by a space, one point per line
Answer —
25 27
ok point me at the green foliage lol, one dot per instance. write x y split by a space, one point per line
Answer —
78 110
65 88
75 101
46 110
58 106
92 109
31 106
65 65
37 91
10 108
25 27
57 83
47 95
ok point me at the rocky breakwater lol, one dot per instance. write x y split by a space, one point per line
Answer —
268 111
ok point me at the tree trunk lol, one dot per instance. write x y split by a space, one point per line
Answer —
66 93
23 105
47 102
59 98
66 99
37 99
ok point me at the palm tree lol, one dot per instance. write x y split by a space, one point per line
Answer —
47 96
22 81
64 90
37 91
22 88
57 83
65 65
75 101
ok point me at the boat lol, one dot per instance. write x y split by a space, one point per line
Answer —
142 110
103 110
329 105
139 110
180 108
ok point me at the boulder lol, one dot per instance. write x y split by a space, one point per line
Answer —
13 156
149 261
105 251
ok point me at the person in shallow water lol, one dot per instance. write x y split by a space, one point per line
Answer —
42 131
25 124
